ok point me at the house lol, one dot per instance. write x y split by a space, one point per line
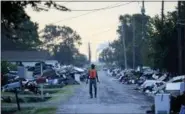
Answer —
26 57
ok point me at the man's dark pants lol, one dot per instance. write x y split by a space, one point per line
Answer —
91 85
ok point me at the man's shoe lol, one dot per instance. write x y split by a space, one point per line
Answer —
91 97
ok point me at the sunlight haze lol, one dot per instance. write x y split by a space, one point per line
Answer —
98 27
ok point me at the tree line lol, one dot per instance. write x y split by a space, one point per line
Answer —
156 47
18 32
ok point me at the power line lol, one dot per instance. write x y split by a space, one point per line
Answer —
70 18
104 8
86 9
95 10
97 34
66 3
102 1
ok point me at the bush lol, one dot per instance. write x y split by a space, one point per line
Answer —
5 67
12 66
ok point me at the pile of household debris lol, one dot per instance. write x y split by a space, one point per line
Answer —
31 77
146 80
156 84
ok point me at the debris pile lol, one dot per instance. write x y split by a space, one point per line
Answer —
159 85
41 74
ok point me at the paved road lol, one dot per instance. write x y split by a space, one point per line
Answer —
112 97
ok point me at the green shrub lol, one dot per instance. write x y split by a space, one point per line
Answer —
5 67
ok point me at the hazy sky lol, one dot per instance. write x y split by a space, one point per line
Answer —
97 27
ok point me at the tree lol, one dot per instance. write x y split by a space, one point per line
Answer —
67 40
163 41
14 20
140 44
27 37
80 60
159 49
107 55
63 34
13 11
65 54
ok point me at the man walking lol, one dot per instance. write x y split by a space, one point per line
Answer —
93 79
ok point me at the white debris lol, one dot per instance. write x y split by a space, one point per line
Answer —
173 86
78 69
163 77
55 81
150 83
155 76
162 103
177 78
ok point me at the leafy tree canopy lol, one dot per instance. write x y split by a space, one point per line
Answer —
16 26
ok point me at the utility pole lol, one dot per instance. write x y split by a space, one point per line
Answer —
89 51
162 13
143 24
179 40
124 47
133 41
143 15
96 55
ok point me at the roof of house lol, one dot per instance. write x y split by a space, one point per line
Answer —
25 56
